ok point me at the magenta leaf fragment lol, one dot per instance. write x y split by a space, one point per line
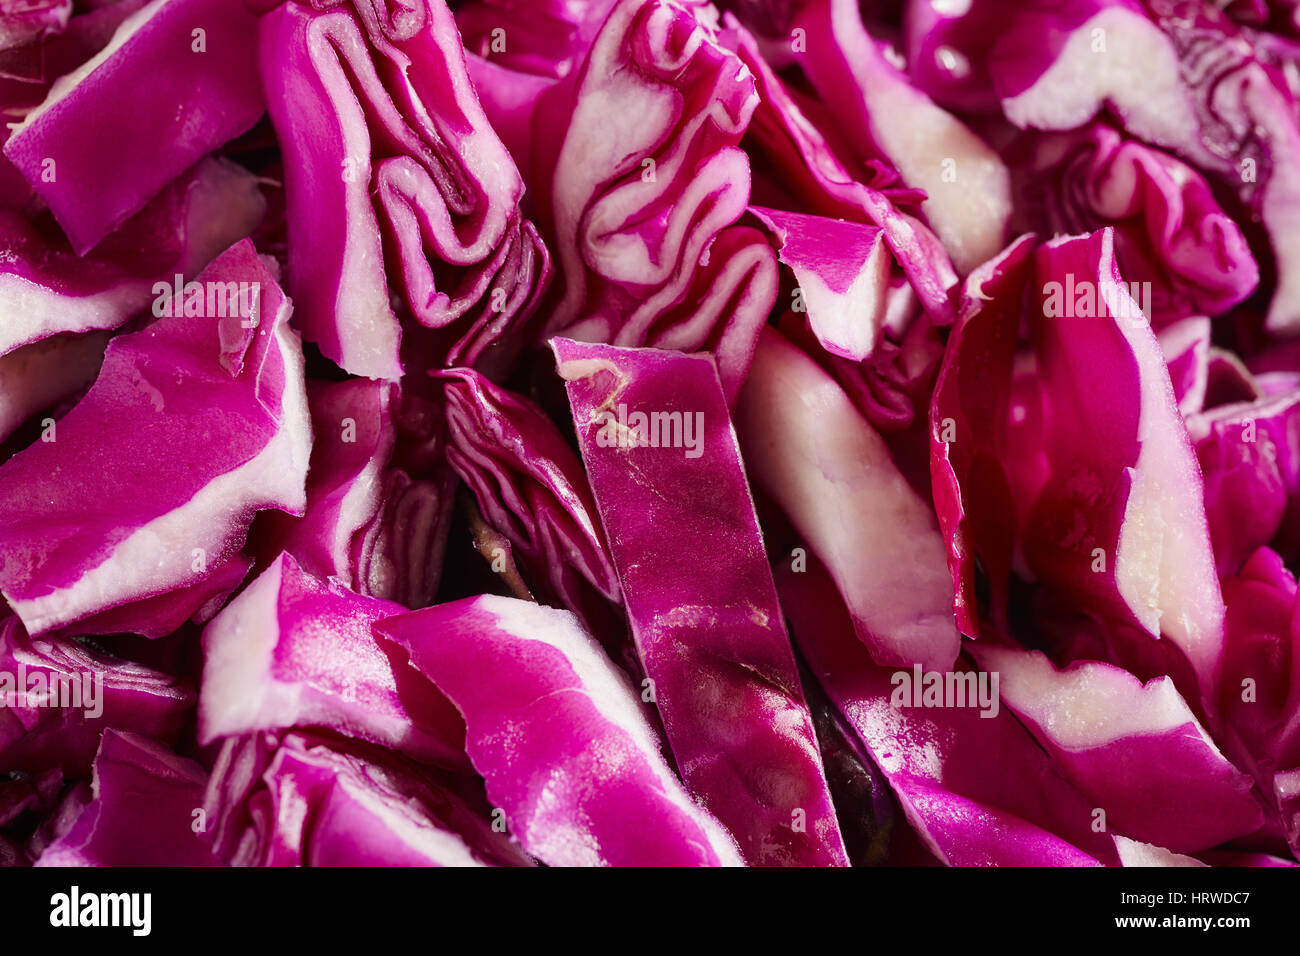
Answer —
1136 750
664 463
820 181
1207 96
78 536
1187 348
969 436
842 270
142 813
559 736
971 780
646 187
304 800
529 485
390 162
1120 526
1169 229
353 442
883 114
813 453
46 290
177 80
1249 454
376 516
58 694
294 651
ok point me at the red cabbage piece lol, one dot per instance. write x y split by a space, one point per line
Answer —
842 271
973 783
46 290
146 810
302 800
1261 687
665 467
177 80
832 475
1249 453
530 487
1205 94
1136 853
67 692
1187 349
811 172
151 481
1120 525
24 21
354 437
645 189
295 651
376 517
391 164
559 736
970 440
945 45
1135 750
968 192
1170 231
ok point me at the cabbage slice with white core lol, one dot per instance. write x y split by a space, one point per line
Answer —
816 456
1122 522
559 735
966 182
292 650
151 481
1137 751
843 273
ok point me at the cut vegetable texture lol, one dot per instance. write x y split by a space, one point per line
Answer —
967 187
665 467
530 486
973 783
811 171
969 440
56 719
294 651
302 800
178 79
1169 230
1136 751
353 442
646 187
842 270
389 162
559 736
79 532
1179 75
46 290
815 455
1121 524
141 813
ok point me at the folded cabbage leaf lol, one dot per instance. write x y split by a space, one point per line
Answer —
294 651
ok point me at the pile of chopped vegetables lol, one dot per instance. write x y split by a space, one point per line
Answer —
650 432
